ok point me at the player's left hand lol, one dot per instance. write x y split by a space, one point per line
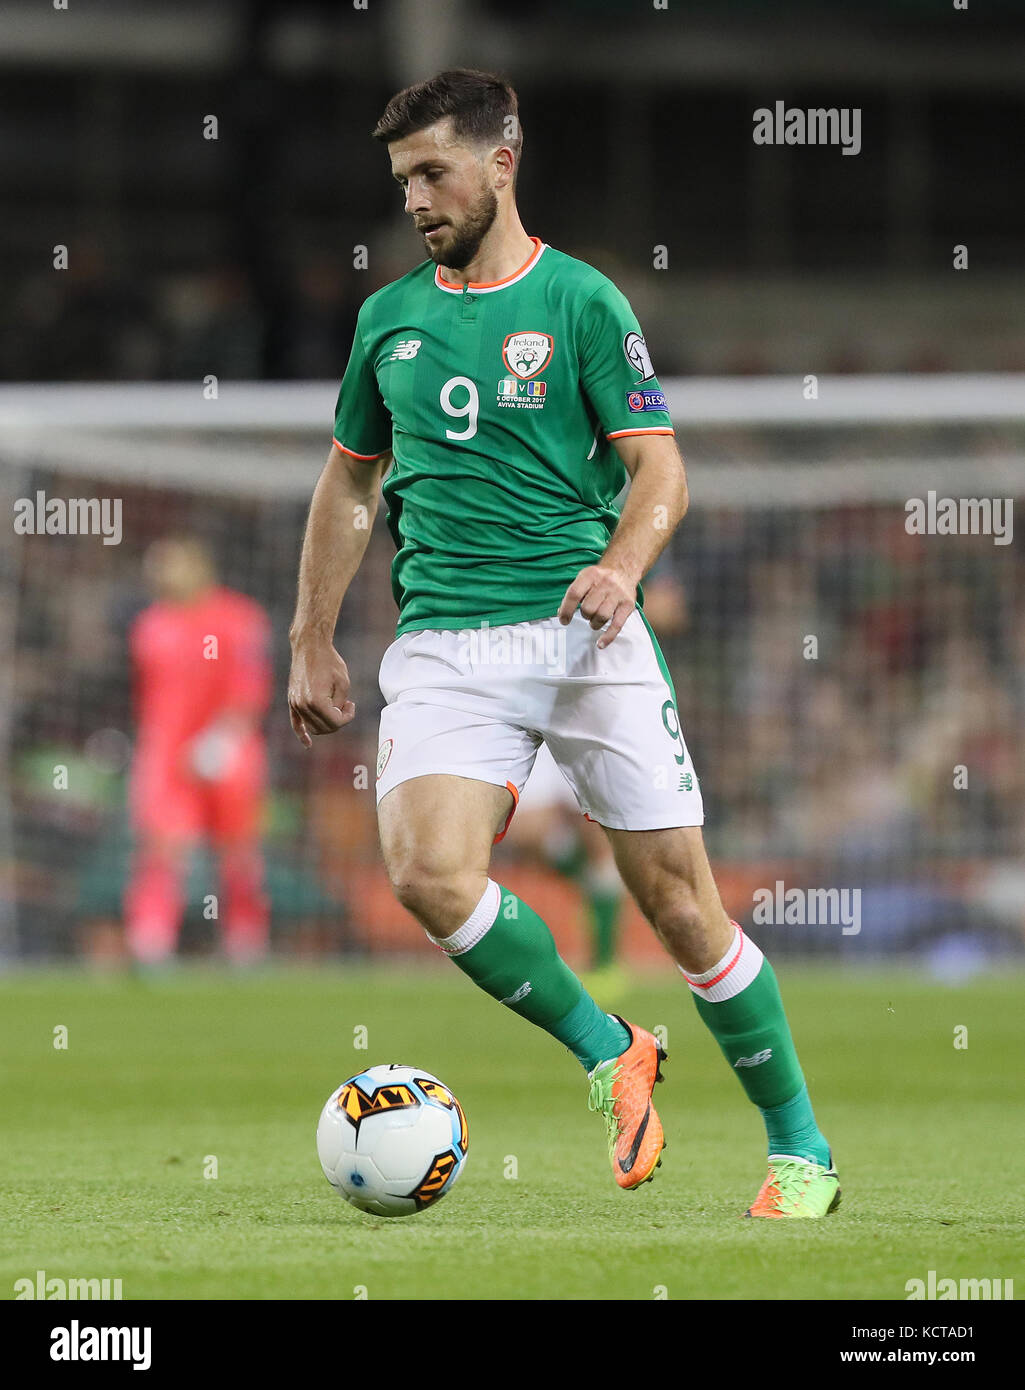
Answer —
603 595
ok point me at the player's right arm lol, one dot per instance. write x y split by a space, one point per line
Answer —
341 516
337 531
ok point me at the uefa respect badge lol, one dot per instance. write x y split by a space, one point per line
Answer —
646 400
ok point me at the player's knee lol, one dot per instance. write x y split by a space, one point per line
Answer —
676 915
440 898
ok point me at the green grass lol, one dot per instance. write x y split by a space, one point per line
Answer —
105 1142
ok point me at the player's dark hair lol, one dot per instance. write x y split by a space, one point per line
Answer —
483 107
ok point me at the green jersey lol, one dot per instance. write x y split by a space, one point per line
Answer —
498 403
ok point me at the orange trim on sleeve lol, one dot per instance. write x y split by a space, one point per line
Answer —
512 812
365 458
618 434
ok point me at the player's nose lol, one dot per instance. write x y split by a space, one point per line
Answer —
416 199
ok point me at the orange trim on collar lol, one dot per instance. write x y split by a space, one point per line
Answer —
491 284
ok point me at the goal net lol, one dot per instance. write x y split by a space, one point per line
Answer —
841 612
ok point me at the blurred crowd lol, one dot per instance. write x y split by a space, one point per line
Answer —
92 323
95 322
857 697
853 698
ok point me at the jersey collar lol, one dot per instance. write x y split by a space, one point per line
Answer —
486 287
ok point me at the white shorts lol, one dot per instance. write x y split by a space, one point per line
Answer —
546 786
478 702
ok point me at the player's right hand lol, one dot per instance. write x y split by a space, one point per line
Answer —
318 688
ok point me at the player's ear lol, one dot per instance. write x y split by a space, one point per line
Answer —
503 164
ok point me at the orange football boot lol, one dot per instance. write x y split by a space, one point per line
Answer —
621 1090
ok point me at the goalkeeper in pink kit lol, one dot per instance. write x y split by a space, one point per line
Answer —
200 659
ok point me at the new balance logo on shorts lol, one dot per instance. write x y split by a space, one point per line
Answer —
755 1061
518 994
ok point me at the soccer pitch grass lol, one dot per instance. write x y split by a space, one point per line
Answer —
106 1142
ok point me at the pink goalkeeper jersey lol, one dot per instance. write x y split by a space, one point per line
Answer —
196 661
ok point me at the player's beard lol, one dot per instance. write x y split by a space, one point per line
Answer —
466 239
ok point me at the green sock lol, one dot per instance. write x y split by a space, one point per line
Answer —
516 962
792 1129
752 1031
603 908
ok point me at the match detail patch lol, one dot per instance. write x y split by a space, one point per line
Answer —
527 395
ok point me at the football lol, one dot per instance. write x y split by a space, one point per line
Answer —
392 1140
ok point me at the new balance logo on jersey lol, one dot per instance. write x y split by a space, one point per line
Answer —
518 994
755 1061
406 350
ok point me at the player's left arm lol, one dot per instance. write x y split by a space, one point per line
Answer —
606 593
